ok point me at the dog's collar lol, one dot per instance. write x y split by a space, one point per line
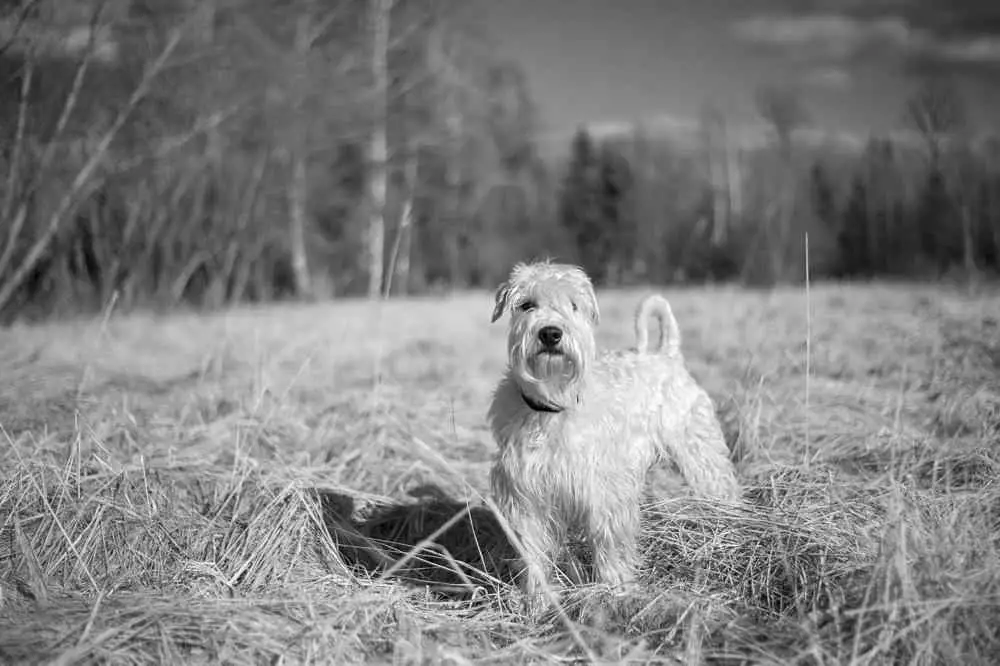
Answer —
539 406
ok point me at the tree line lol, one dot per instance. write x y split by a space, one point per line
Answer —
163 153
921 205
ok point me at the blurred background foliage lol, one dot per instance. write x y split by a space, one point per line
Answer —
164 153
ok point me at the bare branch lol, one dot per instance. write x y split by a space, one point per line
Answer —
71 101
170 144
937 112
58 41
83 177
14 29
14 167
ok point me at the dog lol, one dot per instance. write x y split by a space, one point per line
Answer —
577 431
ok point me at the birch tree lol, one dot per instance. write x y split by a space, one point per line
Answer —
715 144
380 16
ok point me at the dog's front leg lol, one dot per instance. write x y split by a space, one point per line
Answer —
540 538
612 533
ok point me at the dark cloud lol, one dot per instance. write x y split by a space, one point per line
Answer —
978 70
956 19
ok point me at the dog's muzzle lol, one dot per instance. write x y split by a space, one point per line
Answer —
550 337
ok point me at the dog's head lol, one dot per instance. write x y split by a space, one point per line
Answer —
551 340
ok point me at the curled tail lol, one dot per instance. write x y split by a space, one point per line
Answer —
670 334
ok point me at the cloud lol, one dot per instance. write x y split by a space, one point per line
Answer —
921 35
600 129
829 78
825 36
976 50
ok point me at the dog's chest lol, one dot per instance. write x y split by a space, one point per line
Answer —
553 458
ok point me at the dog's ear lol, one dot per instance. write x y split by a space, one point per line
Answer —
501 298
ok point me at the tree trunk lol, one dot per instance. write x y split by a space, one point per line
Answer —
968 241
786 245
298 184
452 217
399 261
717 170
298 193
379 148
724 204
735 157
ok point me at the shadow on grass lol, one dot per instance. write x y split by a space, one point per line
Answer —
451 545
761 556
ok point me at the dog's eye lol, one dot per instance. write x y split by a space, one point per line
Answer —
527 306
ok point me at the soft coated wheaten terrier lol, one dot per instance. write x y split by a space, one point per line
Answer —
577 432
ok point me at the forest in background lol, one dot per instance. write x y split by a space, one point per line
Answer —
163 153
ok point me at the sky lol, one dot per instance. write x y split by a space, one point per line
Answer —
852 62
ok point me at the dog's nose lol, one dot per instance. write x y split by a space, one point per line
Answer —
550 335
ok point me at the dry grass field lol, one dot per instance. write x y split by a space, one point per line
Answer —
303 484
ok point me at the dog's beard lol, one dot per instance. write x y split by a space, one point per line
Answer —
549 377
551 366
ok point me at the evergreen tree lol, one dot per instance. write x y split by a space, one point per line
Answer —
855 255
580 209
933 213
618 222
823 200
